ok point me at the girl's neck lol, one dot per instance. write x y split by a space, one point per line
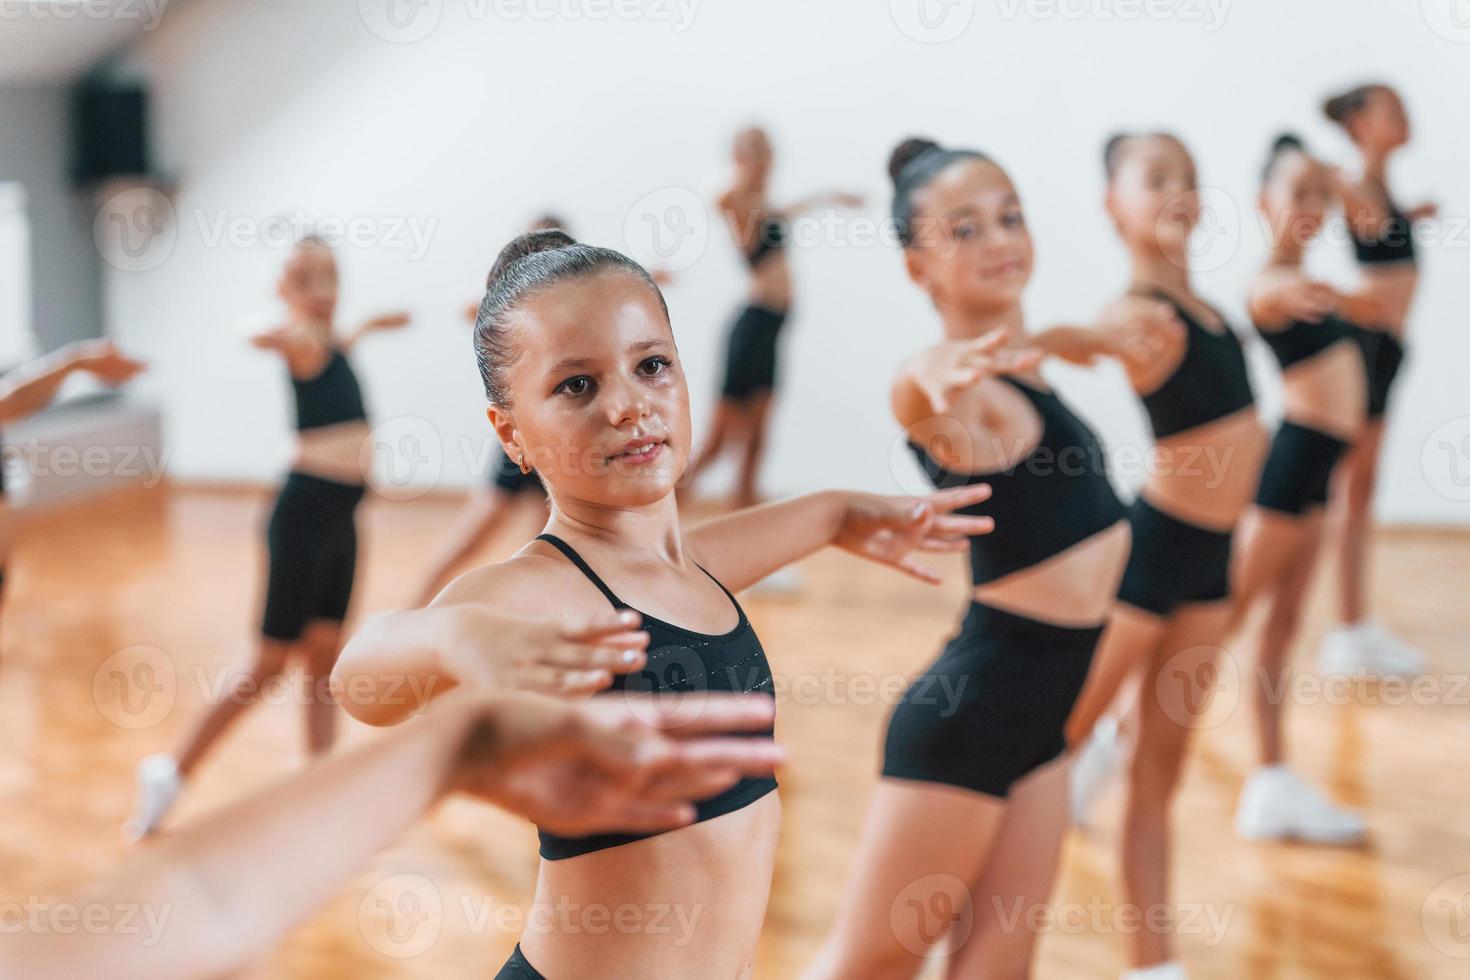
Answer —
651 529
969 323
1163 273
1375 165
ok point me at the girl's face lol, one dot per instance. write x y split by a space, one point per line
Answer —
308 284
1295 198
753 154
599 404
1382 123
971 246
1153 197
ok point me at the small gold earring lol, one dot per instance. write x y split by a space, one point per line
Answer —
521 462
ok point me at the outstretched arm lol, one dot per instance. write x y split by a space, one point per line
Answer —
31 387
388 321
213 896
399 661
813 202
742 548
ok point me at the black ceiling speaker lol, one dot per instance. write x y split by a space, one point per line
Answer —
109 132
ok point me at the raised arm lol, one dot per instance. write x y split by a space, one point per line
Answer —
31 387
387 321
399 661
225 889
1277 299
1137 331
814 202
742 548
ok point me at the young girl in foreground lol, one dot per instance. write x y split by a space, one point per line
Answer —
969 816
585 385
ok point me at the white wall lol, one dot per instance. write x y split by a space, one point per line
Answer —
65 281
264 107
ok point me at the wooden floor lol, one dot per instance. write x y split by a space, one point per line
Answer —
178 570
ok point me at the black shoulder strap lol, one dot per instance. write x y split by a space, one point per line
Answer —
576 559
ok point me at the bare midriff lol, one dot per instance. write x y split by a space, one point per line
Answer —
1329 391
340 452
688 903
1207 476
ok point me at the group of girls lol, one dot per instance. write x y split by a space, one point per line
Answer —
1073 593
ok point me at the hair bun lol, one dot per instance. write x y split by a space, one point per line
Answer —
1287 141
523 245
906 152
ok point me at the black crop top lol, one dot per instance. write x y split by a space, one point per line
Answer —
771 239
331 397
1393 243
1210 382
680 660
1301 339
1056 497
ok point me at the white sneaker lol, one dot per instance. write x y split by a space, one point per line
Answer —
784 582
1368 648
1094 767
1276 805
1172 970
158 787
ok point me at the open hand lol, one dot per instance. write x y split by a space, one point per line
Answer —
632 764
889 529
492 653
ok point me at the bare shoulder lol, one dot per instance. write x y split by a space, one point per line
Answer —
533 583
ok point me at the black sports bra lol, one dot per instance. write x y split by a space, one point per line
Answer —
1056 497
680 660
770 239
1301 339
1210 382
1393 243
331 397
